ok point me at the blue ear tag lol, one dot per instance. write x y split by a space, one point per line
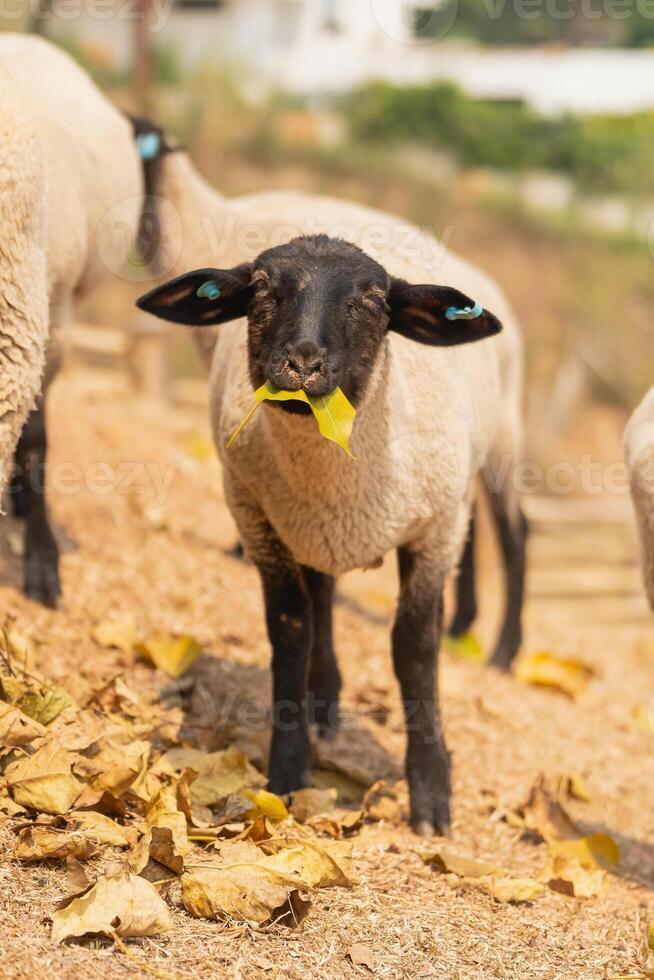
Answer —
208 290
467 313
148 145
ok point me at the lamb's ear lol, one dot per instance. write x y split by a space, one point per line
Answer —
438 315
202 298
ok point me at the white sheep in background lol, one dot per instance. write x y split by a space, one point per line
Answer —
639 446
429 419
69 171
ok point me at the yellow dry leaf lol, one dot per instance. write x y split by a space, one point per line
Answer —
172 654
307 803
38 700
323 865
162 811
381 803
446 861
119 764
16 728
117 634
465 647
41 843
333 412
545 669
268 804
219 773
568 786
593 851
124 905
250 892
44 781
337 824
570 877
504 888
99 828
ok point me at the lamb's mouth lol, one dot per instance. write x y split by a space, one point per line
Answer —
293 407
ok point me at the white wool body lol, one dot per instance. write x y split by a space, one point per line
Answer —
639 448
431 417
71 193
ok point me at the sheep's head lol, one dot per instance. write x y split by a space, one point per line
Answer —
318 311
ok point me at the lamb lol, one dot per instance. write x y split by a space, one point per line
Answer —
72 196
321 315
639 448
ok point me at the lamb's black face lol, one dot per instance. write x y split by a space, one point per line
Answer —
318 310
317 318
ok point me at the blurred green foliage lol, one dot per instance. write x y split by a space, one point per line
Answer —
596 22
608 153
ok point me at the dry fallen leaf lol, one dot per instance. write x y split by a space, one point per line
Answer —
570 877
245 891
569 786
118 764
268 804
307 803
162 811
545 816
544 669
39 700
593 851
41 843
446 861
117 634
44 781
219 773
504 888
362 955
381 803
16 728
99 828
172 654
156 850
465 647
124 905
323 865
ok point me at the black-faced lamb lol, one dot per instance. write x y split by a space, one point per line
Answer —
639 447
431 413
71 197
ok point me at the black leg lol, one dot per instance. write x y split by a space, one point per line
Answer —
28 493
416 639
512 532
465 612
324 676
288 615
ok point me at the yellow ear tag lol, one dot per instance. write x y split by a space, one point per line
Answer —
334 413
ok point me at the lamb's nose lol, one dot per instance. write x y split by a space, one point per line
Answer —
305 359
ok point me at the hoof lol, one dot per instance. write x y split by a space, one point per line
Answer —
42 584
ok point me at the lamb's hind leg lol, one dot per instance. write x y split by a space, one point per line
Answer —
28 491
512 531
465 611
324 675
416 639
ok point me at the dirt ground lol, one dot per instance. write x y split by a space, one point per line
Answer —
167 563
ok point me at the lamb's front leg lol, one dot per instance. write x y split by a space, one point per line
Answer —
416 639
288 615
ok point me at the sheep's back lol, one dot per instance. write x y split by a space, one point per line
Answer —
93 173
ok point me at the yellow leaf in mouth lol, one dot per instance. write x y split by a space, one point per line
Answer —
333 412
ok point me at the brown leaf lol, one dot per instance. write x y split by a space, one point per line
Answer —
362 955
543 815
307 803
569 786
41 843
162 812
44 781
446 861
76 880
251 892
381 803
118 765
124 905
156 850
